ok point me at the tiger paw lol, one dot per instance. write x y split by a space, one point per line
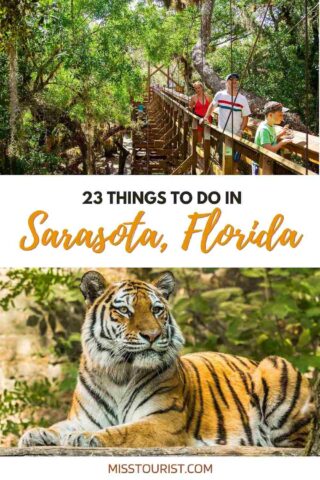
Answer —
39 437
84 439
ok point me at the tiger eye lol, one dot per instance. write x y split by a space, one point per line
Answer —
157 310
123 310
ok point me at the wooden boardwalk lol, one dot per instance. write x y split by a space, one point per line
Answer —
167 143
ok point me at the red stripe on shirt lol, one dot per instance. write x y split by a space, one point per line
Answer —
230 103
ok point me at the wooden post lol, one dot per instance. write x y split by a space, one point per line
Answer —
175 118
134 151
171 116
194 146
168 110
206 148
267 166
227 161
185 136
149 80
179 129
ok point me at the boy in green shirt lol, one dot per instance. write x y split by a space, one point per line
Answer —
266 136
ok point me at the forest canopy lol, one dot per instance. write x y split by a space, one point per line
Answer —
70 70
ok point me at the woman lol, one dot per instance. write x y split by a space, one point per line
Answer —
199 103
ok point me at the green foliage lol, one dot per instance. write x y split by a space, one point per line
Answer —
15 16
56 304
18 406
81 63
252 312
277 69
167 34
77 67
70 374
36 283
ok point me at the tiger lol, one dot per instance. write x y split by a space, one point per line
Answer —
135 389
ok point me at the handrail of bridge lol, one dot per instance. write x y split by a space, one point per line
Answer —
250 152
297 145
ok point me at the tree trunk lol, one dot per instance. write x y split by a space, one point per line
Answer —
213 81
122 155
209 77
90 158
53 115
313 446
187 72
14 109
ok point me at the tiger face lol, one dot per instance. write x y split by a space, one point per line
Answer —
129 323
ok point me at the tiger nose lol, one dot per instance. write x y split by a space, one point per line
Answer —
151 335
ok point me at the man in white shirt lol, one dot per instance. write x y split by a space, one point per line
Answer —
233 109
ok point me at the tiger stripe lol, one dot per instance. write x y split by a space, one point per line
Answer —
283 388
135 390
87 413
243 414
221 430
216 380
293 403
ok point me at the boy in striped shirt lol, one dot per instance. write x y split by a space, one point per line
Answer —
233 109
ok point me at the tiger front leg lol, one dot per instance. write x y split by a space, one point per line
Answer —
43 437
39 437
151 432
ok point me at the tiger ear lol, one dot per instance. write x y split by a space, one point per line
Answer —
92 286
166 284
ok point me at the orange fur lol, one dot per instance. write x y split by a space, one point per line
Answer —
134 390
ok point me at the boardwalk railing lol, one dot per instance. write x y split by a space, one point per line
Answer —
173 133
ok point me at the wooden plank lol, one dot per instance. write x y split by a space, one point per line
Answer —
206 148
159 151
216 169
185 136
313 156
227 161
184 166
194 142
246 151
179 128
142 452
165 124
173 140
267 165
156 70
297 146
200 151
299 140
